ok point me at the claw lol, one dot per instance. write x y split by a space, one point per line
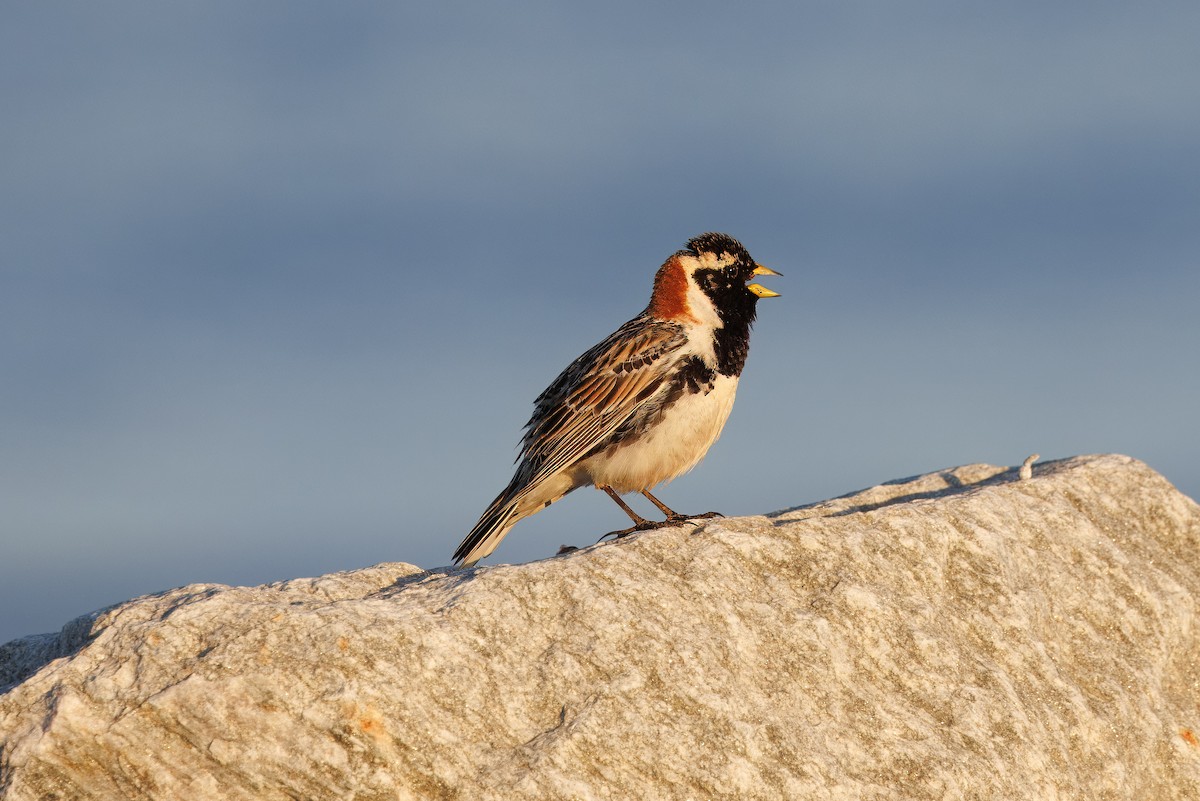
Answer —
645 525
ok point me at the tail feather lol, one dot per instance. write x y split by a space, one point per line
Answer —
511 506
487 533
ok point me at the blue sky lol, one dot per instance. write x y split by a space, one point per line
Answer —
280 281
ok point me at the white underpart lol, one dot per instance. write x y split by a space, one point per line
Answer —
672 447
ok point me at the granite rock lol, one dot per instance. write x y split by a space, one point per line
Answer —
963 634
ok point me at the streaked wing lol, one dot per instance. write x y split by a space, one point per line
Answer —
597 393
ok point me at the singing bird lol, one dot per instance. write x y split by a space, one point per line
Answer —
642 407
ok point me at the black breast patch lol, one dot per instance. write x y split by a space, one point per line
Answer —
694 376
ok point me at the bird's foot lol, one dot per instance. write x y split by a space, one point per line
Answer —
650 525
643 525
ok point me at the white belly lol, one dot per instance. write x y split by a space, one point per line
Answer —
671 448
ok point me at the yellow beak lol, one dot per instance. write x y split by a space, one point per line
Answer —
759 289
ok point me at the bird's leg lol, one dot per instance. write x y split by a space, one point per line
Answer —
675 517
639 523
662 507
634 516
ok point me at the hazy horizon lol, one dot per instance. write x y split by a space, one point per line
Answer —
279 283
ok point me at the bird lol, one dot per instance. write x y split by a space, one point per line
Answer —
643 406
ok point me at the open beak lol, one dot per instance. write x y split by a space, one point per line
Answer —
759 289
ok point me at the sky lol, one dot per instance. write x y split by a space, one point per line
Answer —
279 281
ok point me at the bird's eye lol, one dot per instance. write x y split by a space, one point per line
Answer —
731 270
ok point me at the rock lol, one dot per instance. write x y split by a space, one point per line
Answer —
962 634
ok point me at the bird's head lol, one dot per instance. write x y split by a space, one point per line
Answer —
708 282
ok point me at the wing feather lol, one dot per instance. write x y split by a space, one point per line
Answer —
596 394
